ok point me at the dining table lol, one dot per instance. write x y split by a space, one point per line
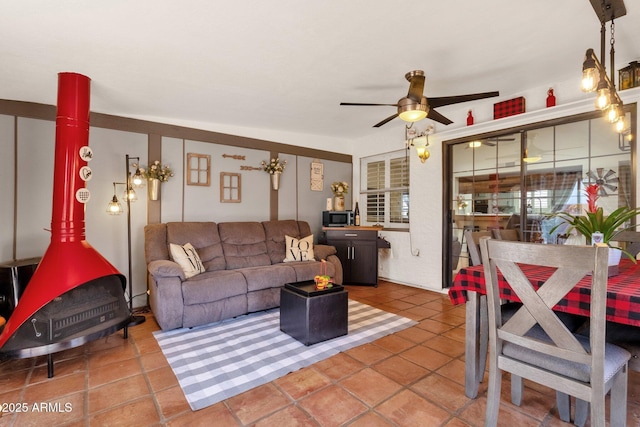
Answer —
623 306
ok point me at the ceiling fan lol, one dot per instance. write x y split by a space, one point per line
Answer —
415 106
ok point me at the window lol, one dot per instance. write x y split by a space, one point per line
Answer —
386 189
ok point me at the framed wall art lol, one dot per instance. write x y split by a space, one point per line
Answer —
198 169
230 187
317 175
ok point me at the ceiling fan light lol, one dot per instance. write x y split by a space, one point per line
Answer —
620 125
532 159
531 156
475 144
413 115
410 110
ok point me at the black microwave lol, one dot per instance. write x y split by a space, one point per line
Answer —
337 218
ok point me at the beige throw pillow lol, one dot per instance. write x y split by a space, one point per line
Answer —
298 250
187 257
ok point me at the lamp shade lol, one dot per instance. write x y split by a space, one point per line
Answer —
114 207
590 73
411 110
137 180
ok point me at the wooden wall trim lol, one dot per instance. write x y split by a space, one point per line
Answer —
154 152
48 112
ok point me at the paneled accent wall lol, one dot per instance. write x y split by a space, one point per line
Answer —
27 140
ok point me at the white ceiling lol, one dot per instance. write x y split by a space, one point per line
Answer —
286 65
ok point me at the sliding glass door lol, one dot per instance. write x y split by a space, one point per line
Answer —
515 179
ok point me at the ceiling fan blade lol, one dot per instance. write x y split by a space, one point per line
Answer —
441 101
367 104
385 121
416 87
434 115
489 144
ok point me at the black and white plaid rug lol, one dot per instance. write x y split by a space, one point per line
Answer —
218 361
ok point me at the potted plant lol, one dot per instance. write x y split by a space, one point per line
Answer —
339 188
156 173
596 222
274 168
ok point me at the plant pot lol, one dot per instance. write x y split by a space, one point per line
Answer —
154 189
338 203
614 261
275 180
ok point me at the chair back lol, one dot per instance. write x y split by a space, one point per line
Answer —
633 240
516 336
510 234
473 245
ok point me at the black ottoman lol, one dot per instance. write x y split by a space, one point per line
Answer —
311 316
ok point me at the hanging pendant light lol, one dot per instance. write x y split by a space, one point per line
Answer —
114 207
594 73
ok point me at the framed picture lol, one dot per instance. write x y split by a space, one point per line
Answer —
317 175
230 187
198 169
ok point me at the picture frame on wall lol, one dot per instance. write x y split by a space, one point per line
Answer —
198 169
317 175
230 187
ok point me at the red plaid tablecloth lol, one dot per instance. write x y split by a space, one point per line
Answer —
623 290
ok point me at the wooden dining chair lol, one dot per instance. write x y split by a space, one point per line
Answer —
473 245
632 238
511 234
535 344
627 336
508 309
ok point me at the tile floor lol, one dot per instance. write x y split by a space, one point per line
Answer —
412 378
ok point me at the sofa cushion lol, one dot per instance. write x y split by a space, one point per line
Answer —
271 276
204 237
299 249
275 232
155 242
243 244
213 286
187 258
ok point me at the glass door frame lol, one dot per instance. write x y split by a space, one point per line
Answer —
447 171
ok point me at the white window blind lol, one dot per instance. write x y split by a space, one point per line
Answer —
387 189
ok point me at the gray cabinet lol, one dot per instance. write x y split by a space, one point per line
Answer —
358 251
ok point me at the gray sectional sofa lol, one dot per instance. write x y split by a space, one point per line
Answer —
244 269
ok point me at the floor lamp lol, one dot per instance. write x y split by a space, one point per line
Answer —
114 208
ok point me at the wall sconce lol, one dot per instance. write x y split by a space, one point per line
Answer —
594 73
419 141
